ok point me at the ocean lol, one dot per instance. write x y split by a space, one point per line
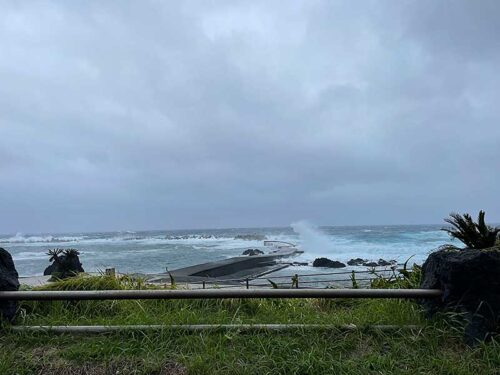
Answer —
154 251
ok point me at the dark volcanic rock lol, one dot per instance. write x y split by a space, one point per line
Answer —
356 262
383 262
252 252
9 281
325 262
370 264
48 271
250 237
470 281
65 265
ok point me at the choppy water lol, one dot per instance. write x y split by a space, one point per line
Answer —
153 251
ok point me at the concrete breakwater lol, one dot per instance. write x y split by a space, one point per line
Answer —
232 268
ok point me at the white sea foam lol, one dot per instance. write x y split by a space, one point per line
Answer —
27 255
20 238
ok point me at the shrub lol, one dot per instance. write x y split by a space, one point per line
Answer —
473 235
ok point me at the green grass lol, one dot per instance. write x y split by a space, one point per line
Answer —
436 349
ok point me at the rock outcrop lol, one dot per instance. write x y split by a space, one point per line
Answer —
384 263
325 262
356 262
9 281
469 279
66 265
252 252
364 262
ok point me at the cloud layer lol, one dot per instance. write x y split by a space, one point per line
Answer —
141 115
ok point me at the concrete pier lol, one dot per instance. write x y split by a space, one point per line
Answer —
237 267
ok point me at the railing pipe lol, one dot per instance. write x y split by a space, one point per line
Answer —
218 293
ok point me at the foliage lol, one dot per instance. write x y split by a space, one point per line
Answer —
173 284
65 265
404 279
354 281
103 282
295 281
71 252
474 235
273 284
434 349
54 254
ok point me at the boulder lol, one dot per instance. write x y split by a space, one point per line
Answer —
356 262
250 237
9 281
470 284
384 263
370 264
325 262
66 265
252 252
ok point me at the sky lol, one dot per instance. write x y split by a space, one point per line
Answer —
129 115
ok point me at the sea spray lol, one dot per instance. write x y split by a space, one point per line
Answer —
313 241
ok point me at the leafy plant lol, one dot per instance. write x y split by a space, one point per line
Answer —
71 252
65 263
406 278
273 284
474 235
354 281
173 284
54 254
295 281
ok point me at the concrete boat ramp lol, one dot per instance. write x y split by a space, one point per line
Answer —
232 271
226 270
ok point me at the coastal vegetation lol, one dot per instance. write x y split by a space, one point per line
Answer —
435 347
65 263
475 235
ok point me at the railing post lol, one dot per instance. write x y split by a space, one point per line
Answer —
203 284
110 272
247 283
296 281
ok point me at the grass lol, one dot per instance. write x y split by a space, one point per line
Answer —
436 349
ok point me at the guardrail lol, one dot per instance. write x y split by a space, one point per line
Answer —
163 294
217 294
296 279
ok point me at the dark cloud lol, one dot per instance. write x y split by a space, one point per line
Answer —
138 115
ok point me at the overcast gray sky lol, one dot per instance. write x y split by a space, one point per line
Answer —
202 114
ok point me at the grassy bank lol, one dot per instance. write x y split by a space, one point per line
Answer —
437 348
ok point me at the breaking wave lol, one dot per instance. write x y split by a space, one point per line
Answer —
19 239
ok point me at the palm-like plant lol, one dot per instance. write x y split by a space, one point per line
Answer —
71 252
54 254
473 235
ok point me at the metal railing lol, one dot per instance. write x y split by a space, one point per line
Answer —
170 294
217 294
298 279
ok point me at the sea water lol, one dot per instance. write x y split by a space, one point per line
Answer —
154 251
